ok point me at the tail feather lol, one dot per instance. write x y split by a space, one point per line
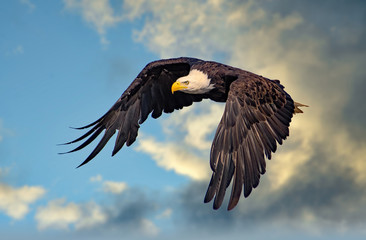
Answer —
297 105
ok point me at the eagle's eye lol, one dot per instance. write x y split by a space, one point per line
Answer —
185 82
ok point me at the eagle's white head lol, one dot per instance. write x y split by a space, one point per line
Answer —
196 82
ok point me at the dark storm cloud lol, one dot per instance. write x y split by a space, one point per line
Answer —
339 26
323 14
129 208
323 188
355 110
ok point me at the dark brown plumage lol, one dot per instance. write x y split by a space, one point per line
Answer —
257 116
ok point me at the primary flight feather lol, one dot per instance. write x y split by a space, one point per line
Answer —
257 116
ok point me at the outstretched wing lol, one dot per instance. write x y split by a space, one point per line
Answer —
149 92
257 114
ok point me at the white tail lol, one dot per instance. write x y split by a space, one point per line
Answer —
297 109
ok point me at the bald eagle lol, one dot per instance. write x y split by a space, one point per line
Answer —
257 116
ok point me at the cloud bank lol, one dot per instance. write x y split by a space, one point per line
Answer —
315 181
317 177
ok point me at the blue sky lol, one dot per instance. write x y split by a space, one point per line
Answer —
64 63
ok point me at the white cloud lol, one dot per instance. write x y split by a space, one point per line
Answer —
196 28
98 13
127 213
174 29
196 127
96 178
92 215
114 187
171 156
60 215
15 202
189 155
134 8
57 215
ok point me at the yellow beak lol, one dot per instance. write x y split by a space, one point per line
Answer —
177 86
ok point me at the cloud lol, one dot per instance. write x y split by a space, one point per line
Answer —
97 178
59 215
174 157
196 123
190 156
332 198
113 187
131 213
98 13
15 202
126 211
175 29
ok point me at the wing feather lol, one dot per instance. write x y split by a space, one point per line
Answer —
89 140
107 135
257 116
237 180
148 93
146 103
122 133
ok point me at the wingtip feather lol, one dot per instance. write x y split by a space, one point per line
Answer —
232 204
83 163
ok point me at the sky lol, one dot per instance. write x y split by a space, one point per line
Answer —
64 63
